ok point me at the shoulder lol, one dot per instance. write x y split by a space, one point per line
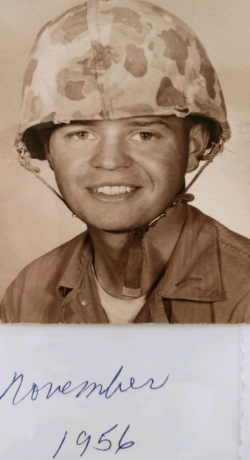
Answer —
233 268
233 243
233 251
228 240
60 254
52 264
35 288
234 259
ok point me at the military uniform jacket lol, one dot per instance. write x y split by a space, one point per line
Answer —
207 280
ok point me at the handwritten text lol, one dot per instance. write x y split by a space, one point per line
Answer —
85 388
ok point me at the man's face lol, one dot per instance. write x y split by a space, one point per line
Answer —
119 175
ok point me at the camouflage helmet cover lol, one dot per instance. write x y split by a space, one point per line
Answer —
110 59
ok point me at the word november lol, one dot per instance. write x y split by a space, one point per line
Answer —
86 388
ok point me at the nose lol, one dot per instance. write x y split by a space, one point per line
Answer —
111 154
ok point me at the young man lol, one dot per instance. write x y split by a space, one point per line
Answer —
122 101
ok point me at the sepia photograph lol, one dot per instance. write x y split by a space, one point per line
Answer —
125 179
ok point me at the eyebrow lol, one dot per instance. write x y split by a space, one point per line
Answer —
143 123
82 122
130 122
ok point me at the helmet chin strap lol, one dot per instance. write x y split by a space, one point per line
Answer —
24 159
134 267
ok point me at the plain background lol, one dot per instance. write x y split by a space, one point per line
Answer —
33 221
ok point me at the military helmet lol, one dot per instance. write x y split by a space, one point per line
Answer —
114 59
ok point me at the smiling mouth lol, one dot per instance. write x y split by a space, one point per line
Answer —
114 190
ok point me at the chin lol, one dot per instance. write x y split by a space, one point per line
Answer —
119 227
115 228
116 222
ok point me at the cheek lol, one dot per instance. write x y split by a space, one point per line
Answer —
66 161
168 172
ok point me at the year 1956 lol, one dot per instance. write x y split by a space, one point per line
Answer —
102 444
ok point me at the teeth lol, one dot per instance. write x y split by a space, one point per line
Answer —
115 190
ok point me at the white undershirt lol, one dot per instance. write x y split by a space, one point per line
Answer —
119 311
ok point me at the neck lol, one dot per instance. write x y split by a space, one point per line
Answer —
109 246
111 253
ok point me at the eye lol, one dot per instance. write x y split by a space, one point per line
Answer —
82 135
144 136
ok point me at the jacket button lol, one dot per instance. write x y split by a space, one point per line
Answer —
84 302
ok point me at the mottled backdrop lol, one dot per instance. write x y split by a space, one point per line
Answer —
33 221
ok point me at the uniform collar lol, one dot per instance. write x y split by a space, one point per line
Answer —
81 251
193 272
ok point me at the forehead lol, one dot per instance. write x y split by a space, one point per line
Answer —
145 121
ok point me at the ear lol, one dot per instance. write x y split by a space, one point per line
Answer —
49 158
199 135
44 138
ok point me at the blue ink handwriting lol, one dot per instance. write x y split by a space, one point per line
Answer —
86 388
104 443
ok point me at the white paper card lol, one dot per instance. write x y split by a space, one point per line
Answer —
244 412
164 392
